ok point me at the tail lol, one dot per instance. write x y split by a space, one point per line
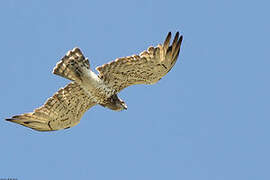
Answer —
72 65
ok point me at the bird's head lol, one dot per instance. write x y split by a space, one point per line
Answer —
121 105
115 103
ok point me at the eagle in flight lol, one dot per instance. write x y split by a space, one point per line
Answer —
67 106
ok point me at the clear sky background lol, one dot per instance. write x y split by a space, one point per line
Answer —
208 119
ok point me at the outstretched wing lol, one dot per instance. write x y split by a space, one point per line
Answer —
63 110
147 68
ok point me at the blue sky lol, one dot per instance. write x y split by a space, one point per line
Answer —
207 119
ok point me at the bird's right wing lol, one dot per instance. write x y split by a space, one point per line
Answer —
63 110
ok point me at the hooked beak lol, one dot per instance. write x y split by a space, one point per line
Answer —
125 106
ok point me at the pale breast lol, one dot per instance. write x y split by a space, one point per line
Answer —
96 87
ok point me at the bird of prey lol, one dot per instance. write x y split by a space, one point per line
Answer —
67 106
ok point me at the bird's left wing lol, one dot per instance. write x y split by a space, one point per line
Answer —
147 68
63 110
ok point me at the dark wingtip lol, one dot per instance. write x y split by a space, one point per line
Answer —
181 39
176 37
179 42
177 46
168 37
12 118
167 41
175 41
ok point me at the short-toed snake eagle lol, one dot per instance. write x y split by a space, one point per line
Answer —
66 107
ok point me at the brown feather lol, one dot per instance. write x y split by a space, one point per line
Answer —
63 110
146 68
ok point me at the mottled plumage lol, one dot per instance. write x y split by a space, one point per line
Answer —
66 107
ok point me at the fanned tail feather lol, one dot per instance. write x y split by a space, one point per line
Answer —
72 65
